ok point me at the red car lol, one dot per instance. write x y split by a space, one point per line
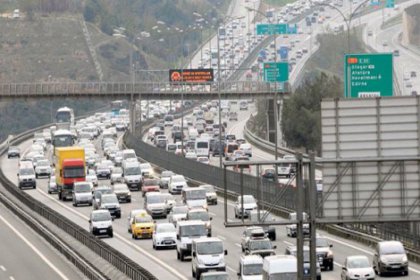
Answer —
150 185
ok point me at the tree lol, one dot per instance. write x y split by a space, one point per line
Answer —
301 116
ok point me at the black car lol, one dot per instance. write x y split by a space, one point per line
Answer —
292 250
13 152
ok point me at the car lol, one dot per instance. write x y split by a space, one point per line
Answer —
215 275
100 223
110 202
201 215
370 33
146 169
154 203
264 217
82 193
165 177
191 155
291 228
13 152
203 160
292 250
354 266
142 226
269 174
249 204
385 43
103 172
123 192
91 177
252 232
211 194
150 185
131 216
176 184
52 185
43 168
324 253
117 175
390 257
260 246
164 236
97 193
396 53
178 213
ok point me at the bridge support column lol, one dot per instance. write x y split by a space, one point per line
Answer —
271 122
132 115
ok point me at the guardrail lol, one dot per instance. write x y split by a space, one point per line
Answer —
114 257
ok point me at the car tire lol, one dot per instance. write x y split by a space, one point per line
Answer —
181 256
111 234
331 267
192 272
133 236
178 255
49 192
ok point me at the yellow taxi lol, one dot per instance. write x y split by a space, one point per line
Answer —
142 226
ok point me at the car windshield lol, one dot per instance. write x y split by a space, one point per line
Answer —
166 174
201 145
391 249
132 171
193 230
165 228
252 269
195 194
145 166
178 179
260 245
143 219
199 215
26 171
74 172
361 262
101 217
247 199
180 210
209 248
42 163
117 170
109 199
120 187
155 199
208 188
82 188
151 182
322 242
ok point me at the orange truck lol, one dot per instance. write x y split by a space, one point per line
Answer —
69 168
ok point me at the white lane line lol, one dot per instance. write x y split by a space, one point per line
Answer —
30 245
2 268
288 243
221 237
239 245
231 269
138 248
336 263
212 214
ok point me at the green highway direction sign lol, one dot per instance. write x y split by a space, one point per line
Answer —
368 75
278 28
276 71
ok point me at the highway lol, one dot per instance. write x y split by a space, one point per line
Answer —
163 263
25 255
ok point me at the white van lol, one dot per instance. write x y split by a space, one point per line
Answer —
250 267
186 231
132 174
129 155
26 175
194 197
207 254
280 267
202 147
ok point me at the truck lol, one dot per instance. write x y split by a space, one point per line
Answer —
69 168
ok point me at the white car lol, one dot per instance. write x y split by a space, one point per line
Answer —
117 175
357 267
178 213
176 184
249 204
246 148
91 177
43 168
146 169
164 235
203 160
191 155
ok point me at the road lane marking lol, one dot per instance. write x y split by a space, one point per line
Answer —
288 243
221 237
2 268
239 245
212 214
231 269
130 244
30 245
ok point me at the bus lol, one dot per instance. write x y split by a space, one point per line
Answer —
117 105
63 138
213 57
64 118
222 33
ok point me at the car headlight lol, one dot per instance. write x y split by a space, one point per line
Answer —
383 260
222 262
404 259
184 245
